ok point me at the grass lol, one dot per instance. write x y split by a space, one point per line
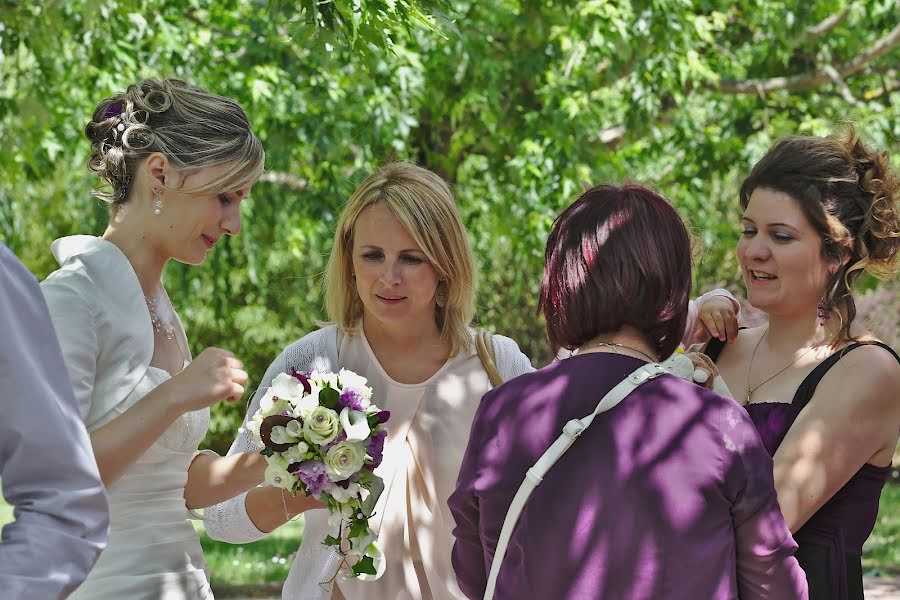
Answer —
246 569
265 561
881 553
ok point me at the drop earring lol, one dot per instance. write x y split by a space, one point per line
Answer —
440 297
824 311
157 204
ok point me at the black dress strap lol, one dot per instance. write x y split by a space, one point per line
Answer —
714 349
807 388
715 346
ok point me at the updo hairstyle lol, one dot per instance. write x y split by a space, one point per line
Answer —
848 192
193 128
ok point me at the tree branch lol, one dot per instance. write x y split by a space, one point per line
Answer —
842 86
820 29
812 79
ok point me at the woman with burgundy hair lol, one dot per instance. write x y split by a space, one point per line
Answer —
667 495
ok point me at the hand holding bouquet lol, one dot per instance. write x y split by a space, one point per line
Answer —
321 435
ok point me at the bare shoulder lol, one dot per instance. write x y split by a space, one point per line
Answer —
741 349
867 376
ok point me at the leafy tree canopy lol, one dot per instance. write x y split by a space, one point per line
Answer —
516 102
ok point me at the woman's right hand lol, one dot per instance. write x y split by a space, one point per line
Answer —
213 376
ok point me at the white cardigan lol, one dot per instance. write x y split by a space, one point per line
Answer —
314 562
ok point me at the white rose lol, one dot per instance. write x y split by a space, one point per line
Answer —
305 405
344 459
355 424
322 426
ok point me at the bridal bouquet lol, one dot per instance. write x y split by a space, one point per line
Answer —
322 435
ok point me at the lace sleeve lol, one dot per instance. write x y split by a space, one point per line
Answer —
511 362
228 521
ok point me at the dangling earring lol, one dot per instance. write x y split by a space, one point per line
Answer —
824 311
157 204
440 297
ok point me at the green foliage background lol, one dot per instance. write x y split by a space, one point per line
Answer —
516 102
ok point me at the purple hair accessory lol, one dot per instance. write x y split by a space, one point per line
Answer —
114 110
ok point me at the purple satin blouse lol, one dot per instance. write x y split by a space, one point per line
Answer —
668 495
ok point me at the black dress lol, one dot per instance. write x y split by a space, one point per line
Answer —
831 540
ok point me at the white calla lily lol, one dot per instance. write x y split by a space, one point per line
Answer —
355 424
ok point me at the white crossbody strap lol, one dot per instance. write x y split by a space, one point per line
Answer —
570 433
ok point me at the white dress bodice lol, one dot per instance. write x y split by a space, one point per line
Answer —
153 551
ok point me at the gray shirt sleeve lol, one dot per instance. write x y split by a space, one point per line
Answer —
47 467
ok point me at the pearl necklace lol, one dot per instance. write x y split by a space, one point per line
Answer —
159 324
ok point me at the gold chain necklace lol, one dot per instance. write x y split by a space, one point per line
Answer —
614 347
750 390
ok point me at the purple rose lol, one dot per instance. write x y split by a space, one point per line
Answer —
351 399
376 448
312 474
383 416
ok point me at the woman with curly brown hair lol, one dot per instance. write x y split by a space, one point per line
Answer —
177 162
821 390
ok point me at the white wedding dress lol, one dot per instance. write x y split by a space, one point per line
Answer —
153 552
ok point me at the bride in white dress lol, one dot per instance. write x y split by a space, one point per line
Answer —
179 161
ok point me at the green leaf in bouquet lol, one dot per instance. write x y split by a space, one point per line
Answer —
331 541
328 398
359 527
366 565
267 452
365 478
375 487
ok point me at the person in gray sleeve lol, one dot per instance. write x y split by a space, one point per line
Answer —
47 468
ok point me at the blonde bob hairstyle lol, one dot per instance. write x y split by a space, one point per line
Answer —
423 203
